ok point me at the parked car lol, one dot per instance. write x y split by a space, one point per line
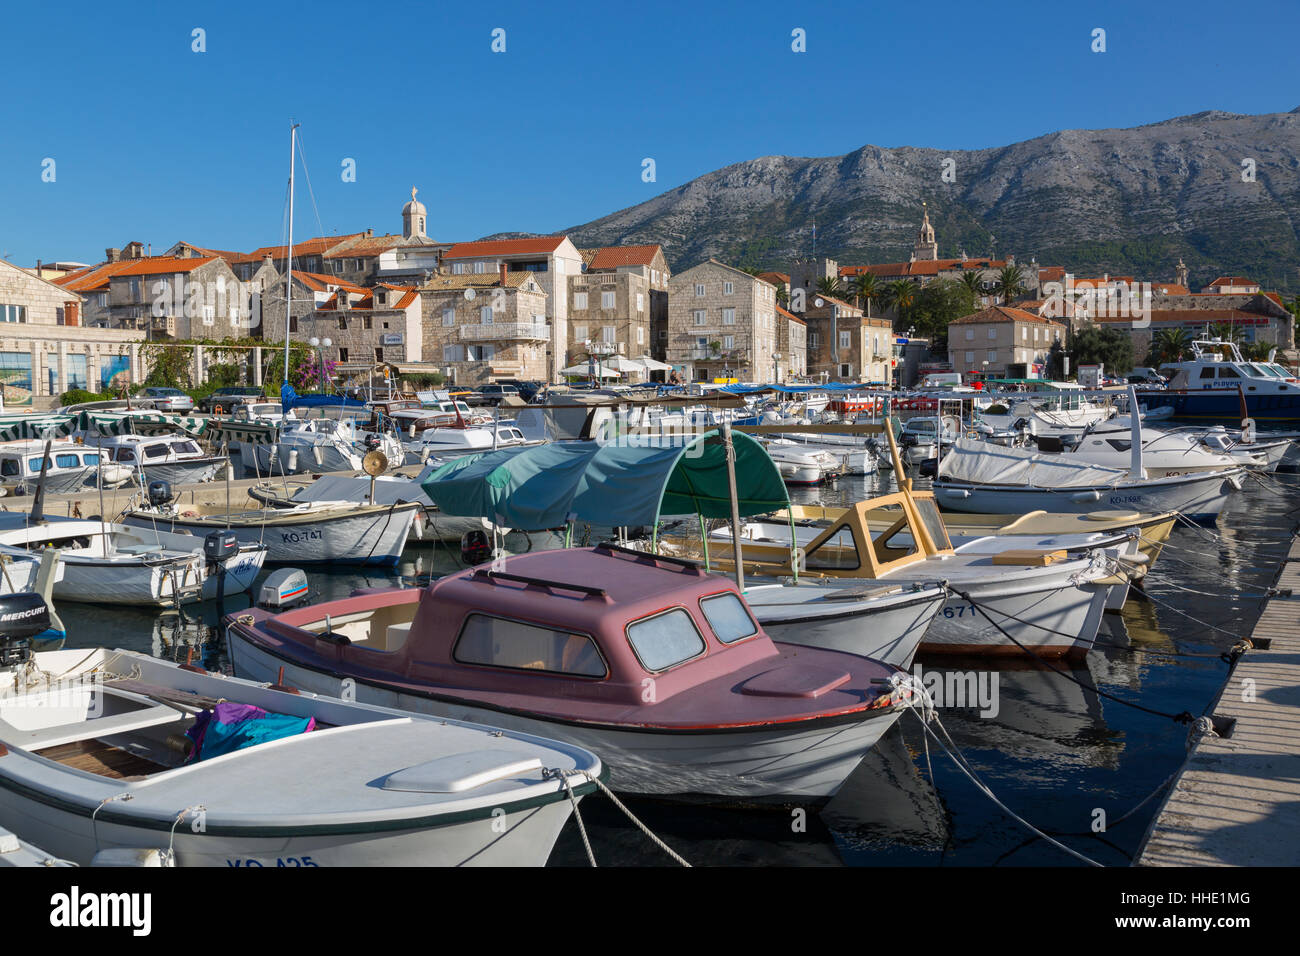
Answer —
168 399
1147 376
229 397
492 394
527 389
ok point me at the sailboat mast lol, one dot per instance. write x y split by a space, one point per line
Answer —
288 281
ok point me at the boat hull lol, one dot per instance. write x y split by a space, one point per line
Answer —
802 763
373 537
1201 497
188 471
520 837
1225 405
884 630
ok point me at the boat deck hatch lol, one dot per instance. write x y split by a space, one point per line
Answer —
466 771
795 680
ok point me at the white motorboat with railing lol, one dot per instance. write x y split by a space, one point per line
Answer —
176 459
71 467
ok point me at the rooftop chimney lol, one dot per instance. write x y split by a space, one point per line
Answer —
369 231
503 274
113 255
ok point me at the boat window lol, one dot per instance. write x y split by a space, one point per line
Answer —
1207 372
498 642
66 461
34 464
665 640
125 454
1120 444
895 540
187 448
835 553
933 523
1229 372
9 467
91 459
728 617
153 451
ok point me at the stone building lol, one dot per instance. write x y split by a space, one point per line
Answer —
638 276
481 327
552 260
843 344
44 348
791 358
366 327
1002 341
721 324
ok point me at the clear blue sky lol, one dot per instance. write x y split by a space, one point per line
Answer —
158 143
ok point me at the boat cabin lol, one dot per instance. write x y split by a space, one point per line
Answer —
151 449
603 625
21 460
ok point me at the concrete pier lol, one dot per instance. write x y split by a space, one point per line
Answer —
1237 799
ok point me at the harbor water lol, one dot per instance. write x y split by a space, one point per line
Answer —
1071 762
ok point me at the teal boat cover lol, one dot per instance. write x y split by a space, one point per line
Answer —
615 485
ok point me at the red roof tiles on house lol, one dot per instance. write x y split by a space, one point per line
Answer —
611 257
504 247
1001 313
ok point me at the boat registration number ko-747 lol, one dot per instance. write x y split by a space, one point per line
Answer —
297 537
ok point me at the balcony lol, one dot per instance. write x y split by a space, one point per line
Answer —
506 332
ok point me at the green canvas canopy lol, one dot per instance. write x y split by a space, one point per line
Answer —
614 485
61 426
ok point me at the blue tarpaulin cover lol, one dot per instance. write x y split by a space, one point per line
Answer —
229 727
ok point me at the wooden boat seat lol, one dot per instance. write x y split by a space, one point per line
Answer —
105 760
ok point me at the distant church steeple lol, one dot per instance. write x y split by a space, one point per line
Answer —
413 216
926 247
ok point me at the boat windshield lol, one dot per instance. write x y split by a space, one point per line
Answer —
499 642
727 616
665 640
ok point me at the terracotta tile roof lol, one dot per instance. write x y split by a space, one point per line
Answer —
611 257
319 283
1001 313
93 279
922 267
790 315
1170 288
504 247
1233 280
778 278
410 294
231 257
1097 282
833 300
308 247
163 265
1051 273
362 247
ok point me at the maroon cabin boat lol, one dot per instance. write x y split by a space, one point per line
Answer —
656 666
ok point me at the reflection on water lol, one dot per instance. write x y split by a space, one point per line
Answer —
1054 752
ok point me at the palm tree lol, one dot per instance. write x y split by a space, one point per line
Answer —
900 295
1010 283
782 295
1169 344
973 280
830 285
865 288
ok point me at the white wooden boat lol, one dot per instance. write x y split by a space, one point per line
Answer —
98 760
318 532
389 489
104 562
175 459
72 467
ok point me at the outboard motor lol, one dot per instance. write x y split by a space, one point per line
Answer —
283 589
373 443
22 616
475 548
220 546
160 494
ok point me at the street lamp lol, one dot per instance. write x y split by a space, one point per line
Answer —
317 344
776 368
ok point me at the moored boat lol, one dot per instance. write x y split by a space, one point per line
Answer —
655 665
